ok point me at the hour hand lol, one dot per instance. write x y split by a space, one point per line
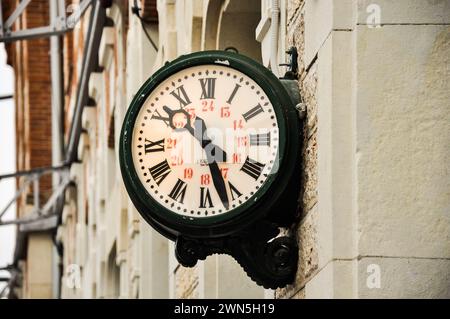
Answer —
198 131
217 154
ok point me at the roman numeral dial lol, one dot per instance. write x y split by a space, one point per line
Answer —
157 116
252 168
253 112
260 139
233 94
205 198
180 94
151 146
208 88
178 191
235 193
185 121
160 171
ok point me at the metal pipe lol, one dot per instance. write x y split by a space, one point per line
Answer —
274 24
1 20
23 220
57 89
16 196
6 97
38 32
10 285
39 170
36 192
62 10
73 19
16 13
91 46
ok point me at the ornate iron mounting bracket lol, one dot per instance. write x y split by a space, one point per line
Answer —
269 260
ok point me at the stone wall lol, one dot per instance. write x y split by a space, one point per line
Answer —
305 229
375 218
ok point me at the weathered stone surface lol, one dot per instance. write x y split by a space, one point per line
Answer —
306 229
336 150
233 282
309 177
404 278
299 295
38 273
334 280
307 80
403 138
405 11
186 282
308 89
322 17
307 234
292 8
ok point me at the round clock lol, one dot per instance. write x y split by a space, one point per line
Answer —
208 145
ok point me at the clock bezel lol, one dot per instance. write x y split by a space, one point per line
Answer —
172 224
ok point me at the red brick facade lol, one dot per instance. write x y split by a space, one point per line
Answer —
31 62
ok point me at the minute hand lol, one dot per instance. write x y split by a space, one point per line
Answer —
218 181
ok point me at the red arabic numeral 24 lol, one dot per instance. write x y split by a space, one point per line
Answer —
207 106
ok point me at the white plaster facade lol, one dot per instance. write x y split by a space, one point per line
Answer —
376 184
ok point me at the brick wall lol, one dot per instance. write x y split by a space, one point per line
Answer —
31 62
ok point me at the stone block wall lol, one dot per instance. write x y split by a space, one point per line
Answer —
374 78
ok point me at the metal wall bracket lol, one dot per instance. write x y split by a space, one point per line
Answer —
292 64
268 259
290 82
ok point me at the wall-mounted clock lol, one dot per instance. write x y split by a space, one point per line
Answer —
209 155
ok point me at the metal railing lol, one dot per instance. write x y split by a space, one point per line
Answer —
59 24
32 179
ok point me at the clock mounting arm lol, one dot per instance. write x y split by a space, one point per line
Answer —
268 259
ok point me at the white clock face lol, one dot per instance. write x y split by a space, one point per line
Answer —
205 141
